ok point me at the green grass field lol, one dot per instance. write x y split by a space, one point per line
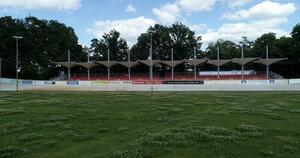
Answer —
143 125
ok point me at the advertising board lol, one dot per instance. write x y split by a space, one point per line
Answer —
183 82
73 83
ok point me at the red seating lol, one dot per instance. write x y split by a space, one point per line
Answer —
168 76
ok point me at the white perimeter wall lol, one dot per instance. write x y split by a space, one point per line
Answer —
209 85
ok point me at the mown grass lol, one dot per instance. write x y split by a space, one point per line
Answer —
144 125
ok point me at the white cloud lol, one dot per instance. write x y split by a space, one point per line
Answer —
171 12
196 5
130 29
168 13
264 10
199 28
262 18
236 3
130 9
253 30
68 5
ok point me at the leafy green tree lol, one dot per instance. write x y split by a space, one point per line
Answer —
296 32
228 50
259 48
247 46
184 41
161 42
178 36
43 43
118 47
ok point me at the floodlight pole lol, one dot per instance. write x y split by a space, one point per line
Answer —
129 68
218 50
108 66
17 61
267 57
0 71
88 70
150 54
69 68
195 67
172 58
242 47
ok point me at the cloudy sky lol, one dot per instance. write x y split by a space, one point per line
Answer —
212 19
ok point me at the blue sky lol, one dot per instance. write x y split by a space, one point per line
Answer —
212 19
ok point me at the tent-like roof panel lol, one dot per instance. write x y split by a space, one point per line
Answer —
129 64
243 61
148 62
107 64
173 63
87 65
218 62
270 61
196 62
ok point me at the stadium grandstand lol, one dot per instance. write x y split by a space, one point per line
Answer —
195 75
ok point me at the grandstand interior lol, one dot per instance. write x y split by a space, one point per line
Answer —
168 76
194 74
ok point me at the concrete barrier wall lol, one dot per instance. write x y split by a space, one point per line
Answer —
222 82
99 83
61 83
120 83
294 81
85 83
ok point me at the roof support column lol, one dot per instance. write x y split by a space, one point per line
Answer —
108 68
242 58
218 51
88 70
195 67
69 69
172 56
150 54
129 69
267 57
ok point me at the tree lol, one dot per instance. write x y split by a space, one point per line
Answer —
178 36
161 42
296 32
112 41
228 50
259 48
184 41
247 46
43 43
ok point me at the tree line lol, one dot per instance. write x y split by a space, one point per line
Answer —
47 41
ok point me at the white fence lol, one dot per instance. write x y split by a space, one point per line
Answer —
226 73
99 82
207 85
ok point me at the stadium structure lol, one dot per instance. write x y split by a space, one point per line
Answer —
197 75
235 80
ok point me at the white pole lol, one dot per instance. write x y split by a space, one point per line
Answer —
242 58
129 69
218 61
0 72
151 62
195 67
108 60
69 70
172 58
88 70
17 64
267 57
17 61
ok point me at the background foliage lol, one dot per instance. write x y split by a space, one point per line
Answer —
47 41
